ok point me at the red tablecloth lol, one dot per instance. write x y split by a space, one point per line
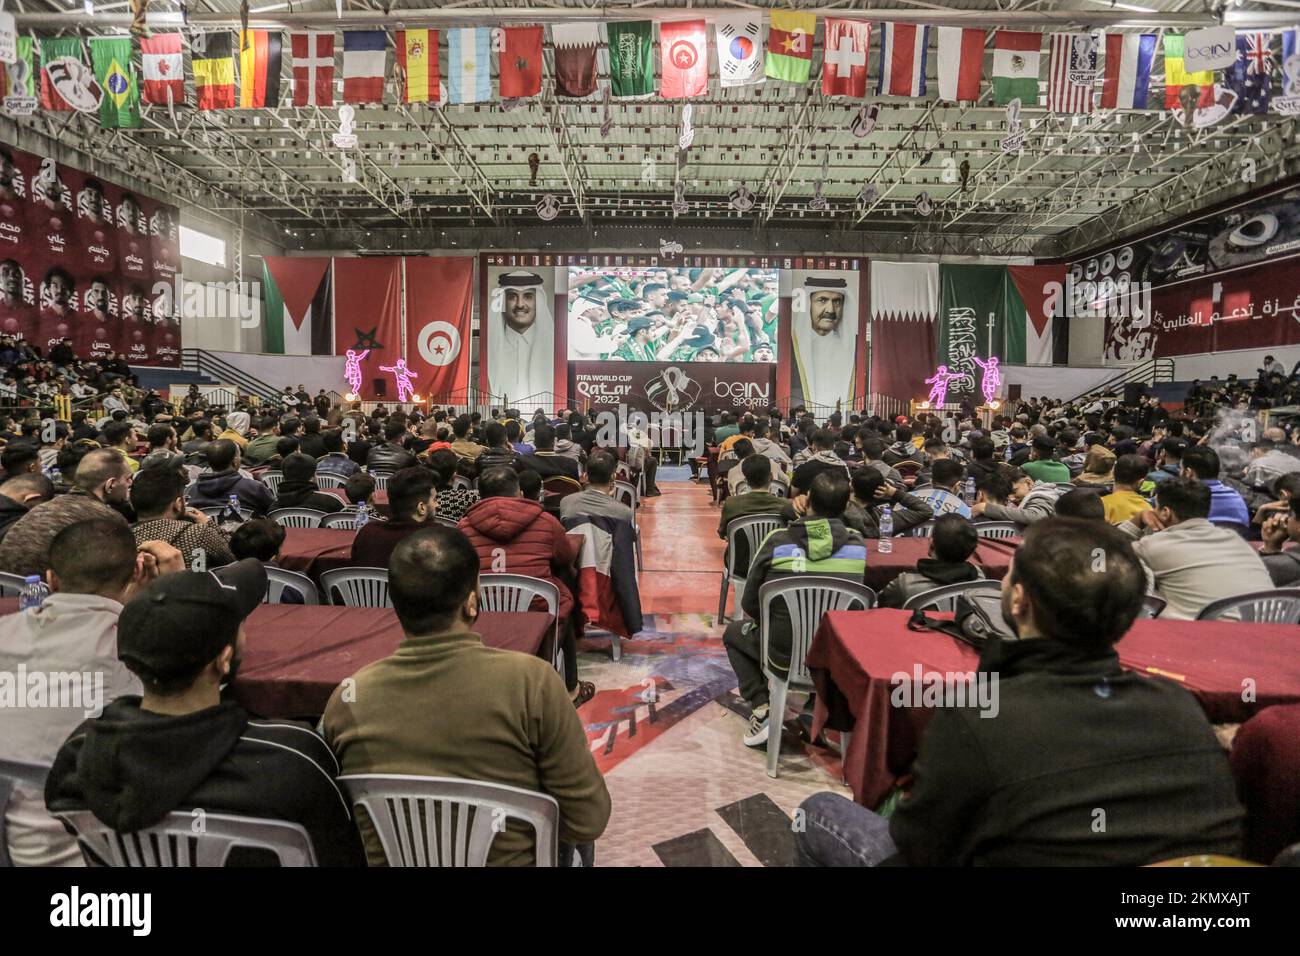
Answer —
993 555
855 653
380 498
295 656
310 551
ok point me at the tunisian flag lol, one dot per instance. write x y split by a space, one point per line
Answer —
438 291
684 59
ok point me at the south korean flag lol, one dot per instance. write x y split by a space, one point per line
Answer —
740 50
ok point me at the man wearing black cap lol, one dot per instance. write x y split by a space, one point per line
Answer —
638 348
179 746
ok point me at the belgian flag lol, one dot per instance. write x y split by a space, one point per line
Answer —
259 69
214 71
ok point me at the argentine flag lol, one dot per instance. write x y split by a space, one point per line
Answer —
469 71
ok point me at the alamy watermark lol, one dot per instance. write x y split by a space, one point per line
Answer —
24 689
684 430
936 689
211 300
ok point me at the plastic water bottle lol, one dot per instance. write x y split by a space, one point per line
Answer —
231 514
363 515
34 592
886 545
970 491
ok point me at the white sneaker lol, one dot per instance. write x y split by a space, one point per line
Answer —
758 729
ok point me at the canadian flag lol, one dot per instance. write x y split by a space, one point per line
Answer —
164 73
313 69
844 64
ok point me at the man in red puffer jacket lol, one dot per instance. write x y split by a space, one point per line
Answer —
515 535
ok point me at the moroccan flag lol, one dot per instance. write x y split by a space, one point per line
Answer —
1015 67
313 68
296 305
259 69
684 58
164 69
214 70
790 45
631 70
111 58
417 57
19 77
63 72
521 63
575 58
844 63
1176 77
961 63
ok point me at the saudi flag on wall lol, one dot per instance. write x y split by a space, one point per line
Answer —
971 311
297 306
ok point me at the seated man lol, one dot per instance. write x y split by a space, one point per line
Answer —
758 499
298 489
544 459
1027 501
951 546
500 717
1227 507
213 490
158 496
390 456
94 567
1042 464
360 490
1191 561
464 446
336 462
871 493
1081 503
1085 762
1125 501
822 459
262 539
498 452
1283 563
180 747
598 497
412 503
20 494
817 543
944 496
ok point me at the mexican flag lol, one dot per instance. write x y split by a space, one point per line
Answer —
1032 296
1015 67
297 306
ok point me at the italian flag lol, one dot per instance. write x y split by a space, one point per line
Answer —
297 306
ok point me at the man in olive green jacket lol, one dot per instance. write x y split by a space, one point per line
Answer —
444 705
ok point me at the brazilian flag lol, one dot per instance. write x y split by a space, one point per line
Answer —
120 106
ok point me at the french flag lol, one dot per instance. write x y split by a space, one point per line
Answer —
1128 71
902 59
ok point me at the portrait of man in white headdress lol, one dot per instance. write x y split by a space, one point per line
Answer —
824 331
521 333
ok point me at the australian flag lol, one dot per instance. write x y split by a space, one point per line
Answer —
1251 77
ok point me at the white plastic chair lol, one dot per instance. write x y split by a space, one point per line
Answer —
329 481
997 529
1152 605
515 593
754 529
345 519
216 511
297 517
459 482
16 773
1280 606
626 493
442 821
923 530
173 842
381 480
444 520
807 597
278 579
11 585
944 597
272 480
356 587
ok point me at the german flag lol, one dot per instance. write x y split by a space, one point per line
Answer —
259 69
214 71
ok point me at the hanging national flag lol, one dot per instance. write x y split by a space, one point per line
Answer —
297 306
844 62
163 69
259 69
1015 67
631 71
520 63
120 107
790 45
63 76
214 70
19 77
365 56
1176 77
1290 68
575 58
684 58
1251 76
902 59
313 68
740 49
1071 72
469 65
1128 70
417 58
961 63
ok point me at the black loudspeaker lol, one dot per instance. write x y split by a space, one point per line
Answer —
381 387
1133 392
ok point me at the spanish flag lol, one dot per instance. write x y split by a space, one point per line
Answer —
1176 77
417 57
259 69
214 71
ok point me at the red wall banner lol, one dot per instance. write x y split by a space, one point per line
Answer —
368 320
438 306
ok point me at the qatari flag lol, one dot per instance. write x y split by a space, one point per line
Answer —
164 74
575 58
313 69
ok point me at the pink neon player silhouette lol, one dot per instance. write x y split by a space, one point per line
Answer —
352 370
939 393
403 375
992 377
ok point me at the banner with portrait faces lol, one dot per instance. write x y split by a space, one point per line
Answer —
826 361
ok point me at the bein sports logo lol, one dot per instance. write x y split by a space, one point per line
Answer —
743 394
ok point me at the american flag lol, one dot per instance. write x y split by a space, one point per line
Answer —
1072 73
1251 77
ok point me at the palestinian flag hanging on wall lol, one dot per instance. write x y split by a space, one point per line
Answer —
259 69
297 306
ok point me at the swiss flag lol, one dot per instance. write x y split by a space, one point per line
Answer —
844 62
521 62
164 75
313 69
684 59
